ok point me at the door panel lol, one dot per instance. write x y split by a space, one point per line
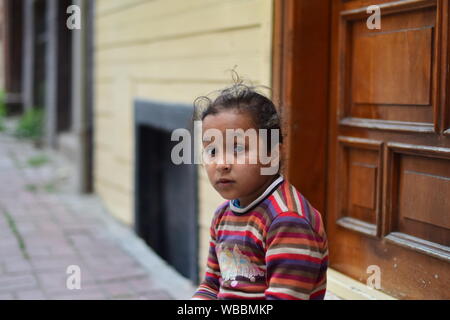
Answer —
419 202
388 194
405 46
359 180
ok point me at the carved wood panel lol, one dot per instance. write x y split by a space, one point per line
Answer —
389 153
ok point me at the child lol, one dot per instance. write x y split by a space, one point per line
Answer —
266 241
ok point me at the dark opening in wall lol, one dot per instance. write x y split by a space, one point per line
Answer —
40 46
13 38
165 194
64 76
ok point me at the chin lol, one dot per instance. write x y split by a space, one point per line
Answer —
228 196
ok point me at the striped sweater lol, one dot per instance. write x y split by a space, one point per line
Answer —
275 248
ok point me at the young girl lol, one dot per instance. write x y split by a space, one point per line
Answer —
267 241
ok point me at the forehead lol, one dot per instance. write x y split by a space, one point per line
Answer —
231 119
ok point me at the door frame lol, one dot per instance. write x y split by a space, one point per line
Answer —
300 82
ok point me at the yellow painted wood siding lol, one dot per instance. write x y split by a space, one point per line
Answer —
170 50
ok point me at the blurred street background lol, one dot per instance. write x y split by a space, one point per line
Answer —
46 227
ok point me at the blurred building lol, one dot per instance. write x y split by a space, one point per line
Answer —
167 53
48 66
365 112
2 45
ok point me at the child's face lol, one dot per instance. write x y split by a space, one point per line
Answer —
233 180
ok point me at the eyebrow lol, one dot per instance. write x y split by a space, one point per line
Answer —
235 135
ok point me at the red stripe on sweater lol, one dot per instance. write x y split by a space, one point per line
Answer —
292 256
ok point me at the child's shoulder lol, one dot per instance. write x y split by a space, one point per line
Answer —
221 209
287 199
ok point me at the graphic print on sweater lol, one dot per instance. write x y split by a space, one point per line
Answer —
233 264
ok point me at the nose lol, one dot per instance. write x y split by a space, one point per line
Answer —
223 167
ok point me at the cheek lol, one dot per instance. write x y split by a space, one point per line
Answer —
209 170
252 157
248 172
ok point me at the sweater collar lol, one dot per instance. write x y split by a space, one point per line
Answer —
234 204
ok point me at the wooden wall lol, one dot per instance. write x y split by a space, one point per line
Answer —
170 50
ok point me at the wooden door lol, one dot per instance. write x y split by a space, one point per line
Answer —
388 190
367 124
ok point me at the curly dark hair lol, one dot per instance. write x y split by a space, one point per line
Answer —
242 98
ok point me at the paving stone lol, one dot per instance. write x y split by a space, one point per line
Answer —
8 241
93 293
11 252
52 263
108 274
27 227
61 229
31 295
118 290
17 265
11 283
6 296
157 295
38 252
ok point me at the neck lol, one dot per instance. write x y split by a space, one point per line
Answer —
245 201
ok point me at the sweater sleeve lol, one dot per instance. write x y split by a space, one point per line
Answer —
209 287
296 259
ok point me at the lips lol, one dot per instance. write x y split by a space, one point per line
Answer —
224 182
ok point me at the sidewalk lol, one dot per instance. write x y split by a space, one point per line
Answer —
45 228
